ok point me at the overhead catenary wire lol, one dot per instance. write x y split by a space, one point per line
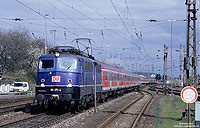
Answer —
124 23
136 31
130 15
98 12
74 21
122 29
46 18
73 8
112 21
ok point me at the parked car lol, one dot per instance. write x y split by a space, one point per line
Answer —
20 87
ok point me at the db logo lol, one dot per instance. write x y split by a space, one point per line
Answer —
55 79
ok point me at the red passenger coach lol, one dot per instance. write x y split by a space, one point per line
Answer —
114 79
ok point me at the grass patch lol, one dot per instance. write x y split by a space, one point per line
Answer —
169 111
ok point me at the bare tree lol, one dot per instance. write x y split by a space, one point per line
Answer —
19 51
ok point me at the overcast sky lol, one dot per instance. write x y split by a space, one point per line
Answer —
112 24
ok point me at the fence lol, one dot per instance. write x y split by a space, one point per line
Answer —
5 86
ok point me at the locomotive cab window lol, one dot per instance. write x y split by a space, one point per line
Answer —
67 63
46 64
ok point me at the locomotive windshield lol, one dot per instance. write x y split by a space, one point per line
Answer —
46 64
67 63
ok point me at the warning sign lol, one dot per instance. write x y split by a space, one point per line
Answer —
189 94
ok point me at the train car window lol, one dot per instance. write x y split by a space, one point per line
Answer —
46 64
91 67
98 68
113 76
85 66
106 74
67 63
124 77
89 70
119 77
88 66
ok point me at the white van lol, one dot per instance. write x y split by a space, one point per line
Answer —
19 87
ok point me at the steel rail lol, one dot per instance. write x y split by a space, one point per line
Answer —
142 111
7 109
119 112
10 124
52 121
15 100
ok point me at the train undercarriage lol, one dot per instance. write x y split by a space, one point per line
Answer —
66 102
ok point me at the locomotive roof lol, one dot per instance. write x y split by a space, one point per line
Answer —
60 56
88 59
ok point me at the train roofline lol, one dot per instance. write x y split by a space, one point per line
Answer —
104 65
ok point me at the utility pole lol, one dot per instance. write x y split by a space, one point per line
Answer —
191 43
171 21
152 67
45 45
180 66
95 87
184 71
165 66
54 33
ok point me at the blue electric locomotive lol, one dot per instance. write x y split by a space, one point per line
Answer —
66 78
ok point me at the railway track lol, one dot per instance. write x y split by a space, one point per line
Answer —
130 115
39 120
52 120
168 90
22 122
7 109
14 100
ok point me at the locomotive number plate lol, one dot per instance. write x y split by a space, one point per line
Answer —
55 79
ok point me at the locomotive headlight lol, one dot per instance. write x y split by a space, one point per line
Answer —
42 85
69 85
42 80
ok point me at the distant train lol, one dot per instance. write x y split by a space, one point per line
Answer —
66 77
